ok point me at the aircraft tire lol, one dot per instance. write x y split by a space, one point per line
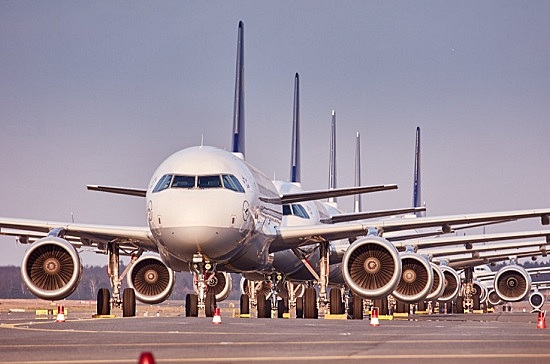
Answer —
103 302
402 307
245 304
128 302
310 304
210 304
191 305
261 303
299 307
335 301
459 304
282 307
357 308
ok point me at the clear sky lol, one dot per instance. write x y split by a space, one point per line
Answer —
100 92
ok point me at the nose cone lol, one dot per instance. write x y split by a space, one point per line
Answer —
206 221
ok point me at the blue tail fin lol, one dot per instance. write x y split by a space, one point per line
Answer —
417 198
238 110
295 153
357 202
332 156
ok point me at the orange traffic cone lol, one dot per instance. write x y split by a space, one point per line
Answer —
217 319
541 324
146 358
60 314
374 317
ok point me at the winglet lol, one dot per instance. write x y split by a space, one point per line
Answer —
238 110
295 153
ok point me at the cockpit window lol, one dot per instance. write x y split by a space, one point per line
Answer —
296 210
163 183
232 183
209 182
183 182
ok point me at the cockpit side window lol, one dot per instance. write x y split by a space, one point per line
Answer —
232 183
298 210
183 182
163 183
209 182
286 210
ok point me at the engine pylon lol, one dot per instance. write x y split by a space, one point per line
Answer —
541 323
60 314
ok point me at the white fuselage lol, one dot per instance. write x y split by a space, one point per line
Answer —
206 200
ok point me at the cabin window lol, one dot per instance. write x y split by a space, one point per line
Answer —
163 183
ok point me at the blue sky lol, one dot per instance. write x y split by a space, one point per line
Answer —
101 92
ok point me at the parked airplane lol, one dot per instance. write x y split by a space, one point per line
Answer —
209 211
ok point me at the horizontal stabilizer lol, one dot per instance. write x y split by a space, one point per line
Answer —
318 195
118 190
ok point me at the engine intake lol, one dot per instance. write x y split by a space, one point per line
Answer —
493 298
51 268
536 300
451 283
222 285
151 279
438 285
512 283
416 278
481 291
372 267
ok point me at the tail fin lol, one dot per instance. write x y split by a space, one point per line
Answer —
357 202
295 153
332 157
238 110
417 199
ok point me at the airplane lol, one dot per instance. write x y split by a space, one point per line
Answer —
207 211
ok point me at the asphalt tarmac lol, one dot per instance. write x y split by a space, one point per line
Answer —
474 338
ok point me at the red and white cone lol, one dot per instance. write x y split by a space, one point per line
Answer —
146 358
541 324
374 317
217 319
60 314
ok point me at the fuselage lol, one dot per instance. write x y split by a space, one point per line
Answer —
204 200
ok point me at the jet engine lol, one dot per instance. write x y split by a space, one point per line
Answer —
451 283
493 298
438 285
151 279
512 283
416 278
221 283
482 289
51 268
371 267
536 300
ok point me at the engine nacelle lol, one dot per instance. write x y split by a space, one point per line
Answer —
493 298
372 267
438 285
51 268
482 290
416 278
512 283
151 279
451 284
536 300
221 283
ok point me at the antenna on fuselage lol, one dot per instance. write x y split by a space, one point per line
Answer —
238 110
357 201
332 158
295 167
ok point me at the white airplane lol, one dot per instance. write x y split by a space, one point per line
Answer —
208 210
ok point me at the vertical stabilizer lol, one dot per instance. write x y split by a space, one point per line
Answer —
417 198
295 153
332 156
357 202
238 110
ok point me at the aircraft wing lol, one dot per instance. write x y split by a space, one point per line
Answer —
92 235
320 194
370 215
118 190
289 237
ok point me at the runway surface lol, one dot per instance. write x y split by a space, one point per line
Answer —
491 338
